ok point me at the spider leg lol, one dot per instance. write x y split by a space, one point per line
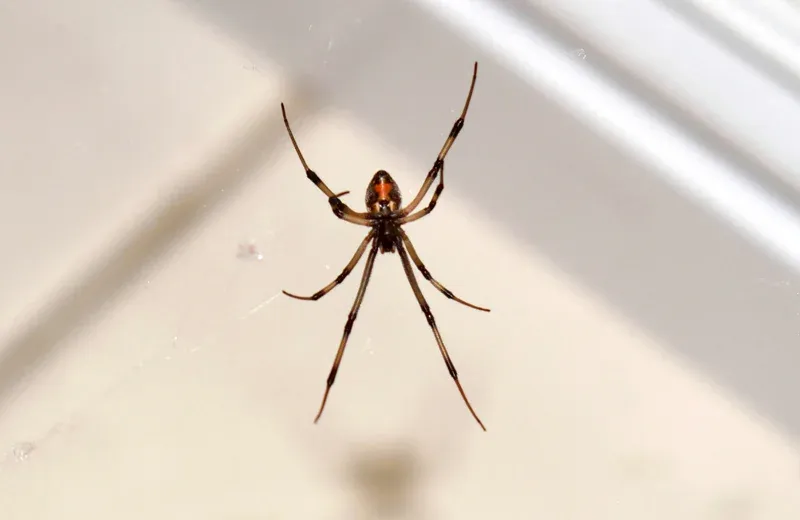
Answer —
340 209
345 272
427 209
427 275
348 326
429 316
437 165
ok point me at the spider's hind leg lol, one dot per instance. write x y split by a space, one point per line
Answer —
432 322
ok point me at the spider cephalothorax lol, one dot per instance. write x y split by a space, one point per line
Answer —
385 216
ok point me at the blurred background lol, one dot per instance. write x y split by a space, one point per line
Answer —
624 196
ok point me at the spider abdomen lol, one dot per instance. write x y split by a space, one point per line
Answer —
383 196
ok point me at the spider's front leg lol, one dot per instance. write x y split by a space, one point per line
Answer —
432 204
342 210
438 164
339 208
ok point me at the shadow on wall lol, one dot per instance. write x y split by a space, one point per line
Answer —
104 281
386 480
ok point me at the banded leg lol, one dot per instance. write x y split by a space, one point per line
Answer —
345 272
340 209
432 322
432 204
437 165
427 275
348 326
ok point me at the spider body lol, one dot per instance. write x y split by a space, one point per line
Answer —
385 217
386 234
383 199
383 196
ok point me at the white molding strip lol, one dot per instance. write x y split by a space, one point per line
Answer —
711 180
772 27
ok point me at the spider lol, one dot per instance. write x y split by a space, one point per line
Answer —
385 216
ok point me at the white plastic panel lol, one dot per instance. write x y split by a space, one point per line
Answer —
639 360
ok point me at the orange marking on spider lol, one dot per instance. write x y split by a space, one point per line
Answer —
383 189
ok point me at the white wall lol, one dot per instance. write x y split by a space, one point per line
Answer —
623 196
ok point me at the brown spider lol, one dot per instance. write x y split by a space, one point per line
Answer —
385 216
